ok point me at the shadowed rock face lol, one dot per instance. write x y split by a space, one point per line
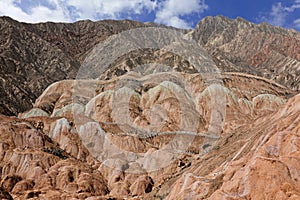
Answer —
152 125
32 56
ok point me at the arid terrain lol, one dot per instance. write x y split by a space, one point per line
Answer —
128 110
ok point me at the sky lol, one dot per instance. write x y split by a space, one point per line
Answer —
177 13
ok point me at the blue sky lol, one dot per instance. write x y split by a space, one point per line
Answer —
177 13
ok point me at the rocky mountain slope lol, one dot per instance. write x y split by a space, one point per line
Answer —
155 140
264 50
151 113
32 56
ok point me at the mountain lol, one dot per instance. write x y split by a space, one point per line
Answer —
144 111
32 56
35 55
264 50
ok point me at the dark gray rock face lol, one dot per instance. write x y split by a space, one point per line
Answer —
32 56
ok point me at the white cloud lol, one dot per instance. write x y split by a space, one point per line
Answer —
297 23
71 10
7 8
37 13
171 12
100 9
295 6
279 13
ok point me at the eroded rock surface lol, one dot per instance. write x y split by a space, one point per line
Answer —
153 125
264 164
32 56
241 46
138 135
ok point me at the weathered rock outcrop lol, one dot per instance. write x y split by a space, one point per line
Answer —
241 46
34 165
140 132
155 123
32 56
264 164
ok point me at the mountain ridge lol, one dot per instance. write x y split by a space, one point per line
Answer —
214 115
263 50
62 47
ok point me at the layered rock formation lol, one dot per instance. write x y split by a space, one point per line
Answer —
261 162
135 135
180 121
264 50
32 56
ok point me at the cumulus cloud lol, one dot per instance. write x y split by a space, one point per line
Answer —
279 14
72 10
171 12
36 13
101 9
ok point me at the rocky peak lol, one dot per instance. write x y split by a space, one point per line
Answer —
221 25
259 49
